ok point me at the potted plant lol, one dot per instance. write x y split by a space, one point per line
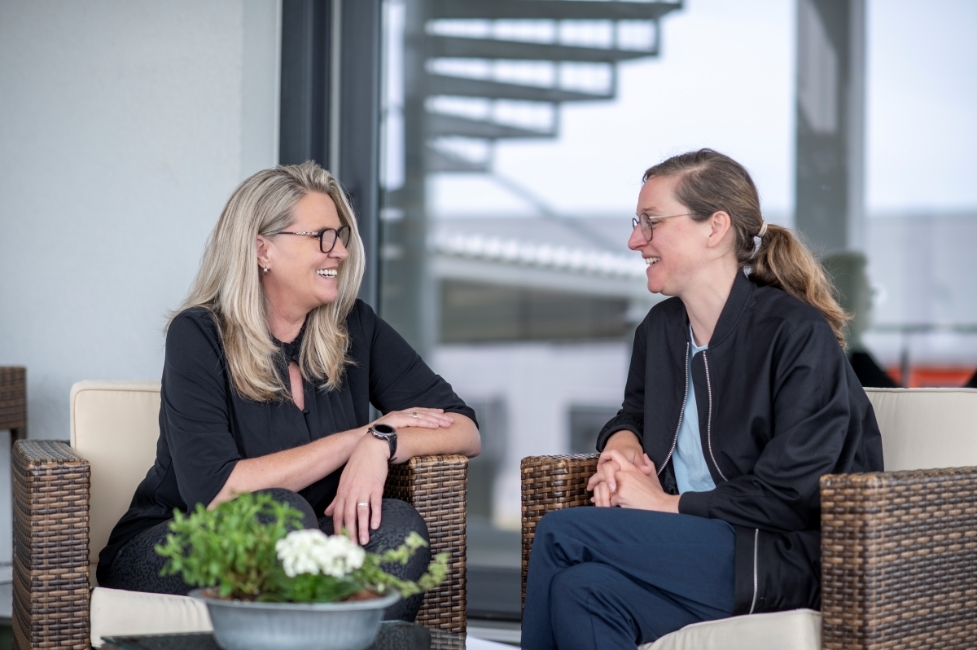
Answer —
270 584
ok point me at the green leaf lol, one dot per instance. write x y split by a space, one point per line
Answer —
228 547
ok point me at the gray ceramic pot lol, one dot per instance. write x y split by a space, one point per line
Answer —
241 625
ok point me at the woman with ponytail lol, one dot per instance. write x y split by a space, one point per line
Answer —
739 398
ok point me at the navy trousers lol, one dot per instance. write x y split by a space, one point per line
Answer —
616 578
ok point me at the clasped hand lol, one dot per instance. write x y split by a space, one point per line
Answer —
359 496
629 481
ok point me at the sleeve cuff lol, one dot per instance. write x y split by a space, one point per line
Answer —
622 421
694 503
609 431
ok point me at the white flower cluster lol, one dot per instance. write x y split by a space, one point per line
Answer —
312 551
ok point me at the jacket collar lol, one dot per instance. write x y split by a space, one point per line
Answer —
740 296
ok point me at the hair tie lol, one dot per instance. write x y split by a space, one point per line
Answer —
758 239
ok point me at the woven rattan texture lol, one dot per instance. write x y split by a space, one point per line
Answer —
13 400
50 590
899 560
551 483
436 486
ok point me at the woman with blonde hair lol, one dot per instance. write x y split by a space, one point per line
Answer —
270 369
739 398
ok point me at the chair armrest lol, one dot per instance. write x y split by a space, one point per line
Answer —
13 401
899 559
551 483
50 526
436 486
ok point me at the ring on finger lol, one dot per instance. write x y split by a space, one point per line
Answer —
363 504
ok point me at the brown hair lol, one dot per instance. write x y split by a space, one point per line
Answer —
711 182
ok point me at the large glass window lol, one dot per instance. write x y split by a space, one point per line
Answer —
514 138
921 194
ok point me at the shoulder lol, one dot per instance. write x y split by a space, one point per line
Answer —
193 327
361 313
778 303
796 330
668 311
777 307
194 350
361 321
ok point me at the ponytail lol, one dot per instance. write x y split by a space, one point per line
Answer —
783 261
711 182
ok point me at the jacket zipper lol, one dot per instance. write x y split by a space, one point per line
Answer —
705 361
756 543
756 532
681 412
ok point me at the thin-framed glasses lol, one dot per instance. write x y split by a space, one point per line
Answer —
327 238
648 226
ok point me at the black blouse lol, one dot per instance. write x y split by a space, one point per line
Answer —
206 427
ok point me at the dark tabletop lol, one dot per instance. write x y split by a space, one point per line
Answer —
393 635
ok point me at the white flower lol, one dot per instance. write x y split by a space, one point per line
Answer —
312 551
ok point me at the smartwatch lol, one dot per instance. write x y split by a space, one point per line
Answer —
385 432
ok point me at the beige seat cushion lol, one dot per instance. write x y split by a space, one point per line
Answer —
114 426
799 629
116 613
926 428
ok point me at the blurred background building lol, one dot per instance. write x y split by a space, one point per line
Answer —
494 151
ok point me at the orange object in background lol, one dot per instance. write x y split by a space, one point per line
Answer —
932 376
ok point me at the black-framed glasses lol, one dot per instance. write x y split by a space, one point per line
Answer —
327 238
648 226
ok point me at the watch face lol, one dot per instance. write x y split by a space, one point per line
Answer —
384 429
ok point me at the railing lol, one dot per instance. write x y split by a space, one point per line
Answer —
909 330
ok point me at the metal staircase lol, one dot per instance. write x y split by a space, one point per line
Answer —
604 16
480 71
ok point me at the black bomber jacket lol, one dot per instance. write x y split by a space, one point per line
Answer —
779 406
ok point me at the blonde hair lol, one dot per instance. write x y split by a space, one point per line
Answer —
710 182
229 286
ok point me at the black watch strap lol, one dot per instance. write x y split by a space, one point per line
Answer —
388 433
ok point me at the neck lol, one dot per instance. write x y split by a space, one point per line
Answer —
285 324
704 302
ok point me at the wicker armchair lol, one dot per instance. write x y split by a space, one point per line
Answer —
898 549
13 402
61 500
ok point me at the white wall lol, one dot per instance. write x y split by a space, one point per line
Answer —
124 126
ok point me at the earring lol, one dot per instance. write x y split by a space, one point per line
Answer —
266 270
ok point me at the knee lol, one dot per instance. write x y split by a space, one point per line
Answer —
550 523
578 583
555 525
295 500
571 580
401 517
398 520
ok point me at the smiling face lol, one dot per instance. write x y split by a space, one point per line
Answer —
301 277
679 247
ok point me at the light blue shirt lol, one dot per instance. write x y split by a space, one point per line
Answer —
691 471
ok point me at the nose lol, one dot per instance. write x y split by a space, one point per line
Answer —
637 239
339 250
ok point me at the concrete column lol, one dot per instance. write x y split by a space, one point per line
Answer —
830 152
